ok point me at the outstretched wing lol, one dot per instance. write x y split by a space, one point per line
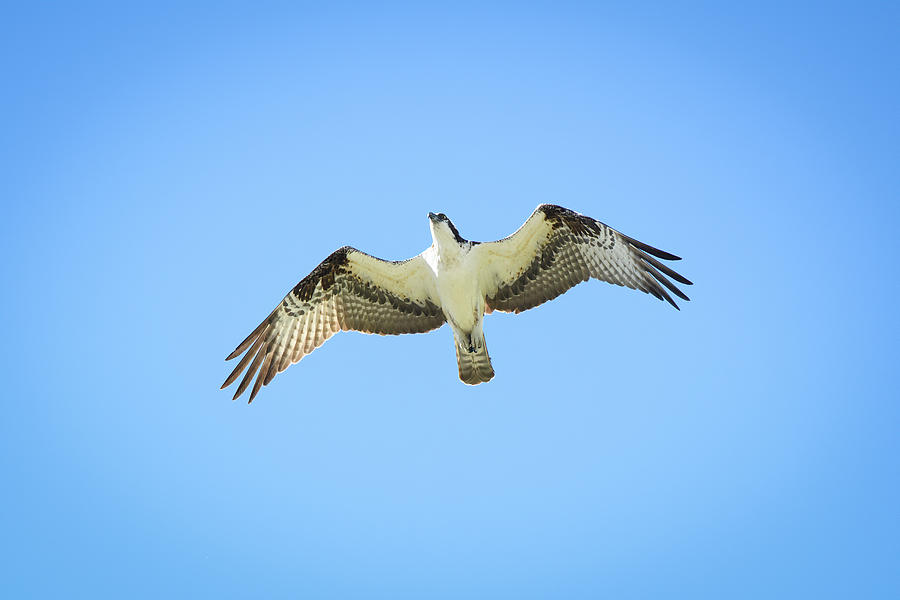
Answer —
557 249
348 290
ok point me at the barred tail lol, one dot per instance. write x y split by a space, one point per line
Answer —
474 367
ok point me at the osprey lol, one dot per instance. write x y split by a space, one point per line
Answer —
454 281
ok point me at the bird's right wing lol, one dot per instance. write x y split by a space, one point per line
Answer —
558 248
349 290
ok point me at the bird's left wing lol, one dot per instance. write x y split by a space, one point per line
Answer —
349 290
557 249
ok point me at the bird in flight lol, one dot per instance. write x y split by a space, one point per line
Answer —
454 281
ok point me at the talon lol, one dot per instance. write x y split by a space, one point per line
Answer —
471 348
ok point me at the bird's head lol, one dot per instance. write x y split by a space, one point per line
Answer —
443 229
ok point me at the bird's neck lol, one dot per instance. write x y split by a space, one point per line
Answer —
448 251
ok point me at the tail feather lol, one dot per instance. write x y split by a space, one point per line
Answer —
474 367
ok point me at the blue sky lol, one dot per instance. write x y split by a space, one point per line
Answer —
170 172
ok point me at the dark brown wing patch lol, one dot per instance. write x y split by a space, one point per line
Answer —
328 269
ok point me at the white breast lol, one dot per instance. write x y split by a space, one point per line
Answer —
458 288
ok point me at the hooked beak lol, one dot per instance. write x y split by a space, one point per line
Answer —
432 216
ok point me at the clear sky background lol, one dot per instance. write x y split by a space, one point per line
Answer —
168 173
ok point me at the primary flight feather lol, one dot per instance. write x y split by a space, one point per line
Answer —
454 281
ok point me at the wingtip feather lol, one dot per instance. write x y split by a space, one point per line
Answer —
263 373
651 249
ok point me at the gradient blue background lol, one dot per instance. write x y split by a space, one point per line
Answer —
169 173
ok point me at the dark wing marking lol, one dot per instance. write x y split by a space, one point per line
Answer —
557 249
348 290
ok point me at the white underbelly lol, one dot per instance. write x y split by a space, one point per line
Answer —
462 303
